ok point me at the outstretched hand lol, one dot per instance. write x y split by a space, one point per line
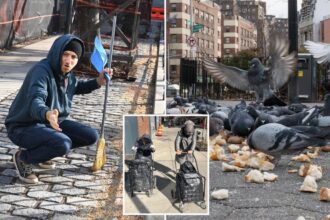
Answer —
52 117
101 80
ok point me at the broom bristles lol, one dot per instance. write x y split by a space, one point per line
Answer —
100 157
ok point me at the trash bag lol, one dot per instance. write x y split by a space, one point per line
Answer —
187 167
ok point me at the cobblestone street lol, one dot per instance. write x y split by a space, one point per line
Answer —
71 191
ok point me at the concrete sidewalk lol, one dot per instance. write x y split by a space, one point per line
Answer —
71 191
15 64
161 200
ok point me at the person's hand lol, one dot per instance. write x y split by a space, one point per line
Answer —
190 151
52 117
101 80
178 152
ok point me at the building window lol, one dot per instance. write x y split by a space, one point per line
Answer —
227 40
227 7
186 9
201 14
227 51
196 11
173 7
173 22
227 29
173 68
211 18
206 17
173 38
186 23
172 52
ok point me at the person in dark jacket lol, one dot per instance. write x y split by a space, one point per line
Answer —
37 119
185 142
144 147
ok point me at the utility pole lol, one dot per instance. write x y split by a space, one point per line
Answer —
293 38
68 21
191 26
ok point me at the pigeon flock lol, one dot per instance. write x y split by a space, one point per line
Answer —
271 129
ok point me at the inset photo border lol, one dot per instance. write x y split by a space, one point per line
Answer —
166 165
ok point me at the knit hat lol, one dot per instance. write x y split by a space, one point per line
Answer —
74 46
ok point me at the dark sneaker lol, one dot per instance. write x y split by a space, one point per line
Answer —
47 165
24 170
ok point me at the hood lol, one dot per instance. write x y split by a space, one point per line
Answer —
56 51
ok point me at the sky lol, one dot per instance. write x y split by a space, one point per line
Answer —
279 8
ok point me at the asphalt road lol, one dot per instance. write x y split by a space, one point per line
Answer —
273 200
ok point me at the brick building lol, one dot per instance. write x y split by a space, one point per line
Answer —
325 31
238 34
208 39
255 11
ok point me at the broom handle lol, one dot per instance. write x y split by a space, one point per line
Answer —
113 32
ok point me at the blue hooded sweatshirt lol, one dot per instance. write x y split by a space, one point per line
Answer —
45 88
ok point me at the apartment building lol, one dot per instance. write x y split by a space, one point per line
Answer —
305 27
255 11
238 34
182 14
325 30
278 26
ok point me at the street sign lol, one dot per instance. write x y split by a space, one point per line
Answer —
191 41
197 27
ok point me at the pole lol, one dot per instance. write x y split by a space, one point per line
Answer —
191 26
293 38
68 17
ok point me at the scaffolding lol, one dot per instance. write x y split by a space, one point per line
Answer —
129 14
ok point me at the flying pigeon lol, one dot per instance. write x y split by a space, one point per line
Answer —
258 78
320 51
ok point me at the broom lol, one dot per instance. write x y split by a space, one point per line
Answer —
100 157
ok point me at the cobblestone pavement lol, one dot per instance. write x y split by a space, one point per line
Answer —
71 191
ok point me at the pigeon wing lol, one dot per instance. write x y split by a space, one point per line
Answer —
235 77
320 51
282 64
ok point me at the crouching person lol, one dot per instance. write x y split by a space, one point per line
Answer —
37 119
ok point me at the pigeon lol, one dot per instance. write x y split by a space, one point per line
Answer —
258 78
240 121
216 125
320 51
275 139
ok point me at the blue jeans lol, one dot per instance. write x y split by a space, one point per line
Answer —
42 143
